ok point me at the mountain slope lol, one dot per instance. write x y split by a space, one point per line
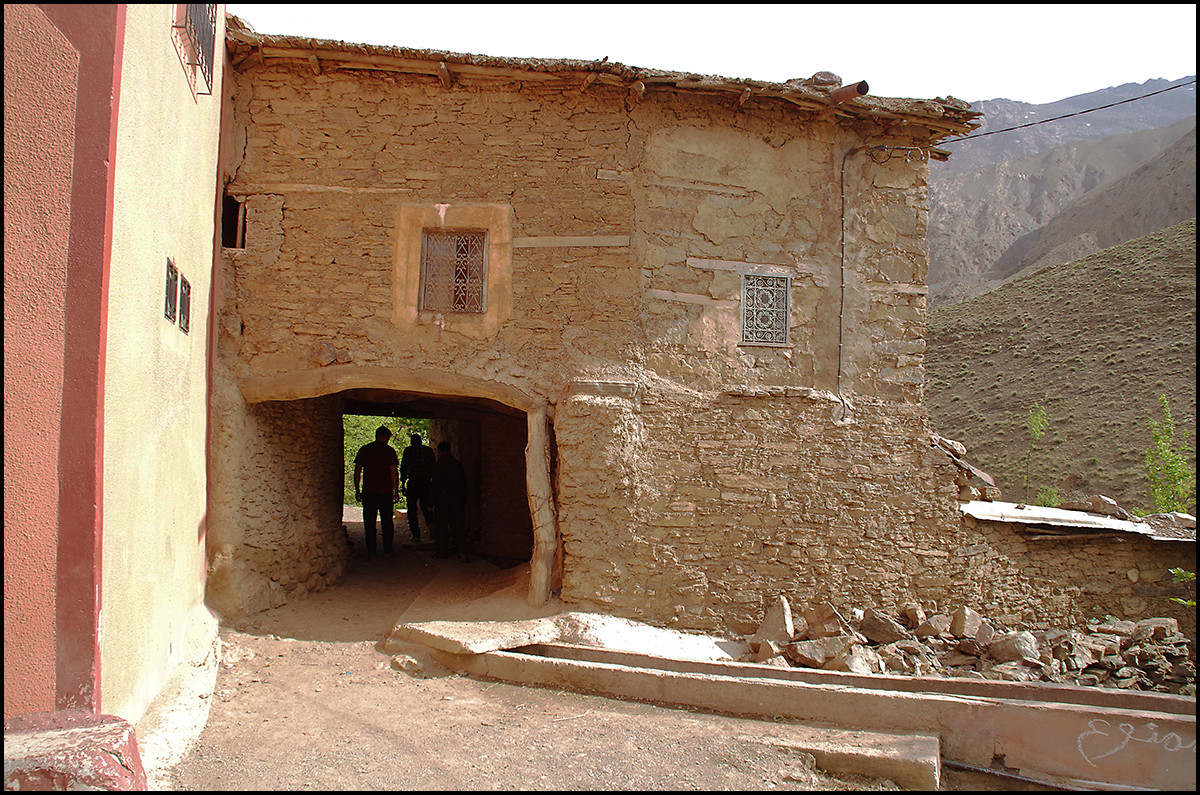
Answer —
1159 193
1095 342
1160 110
977 216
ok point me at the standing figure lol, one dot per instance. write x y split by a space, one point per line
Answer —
416 472
377 487
449 488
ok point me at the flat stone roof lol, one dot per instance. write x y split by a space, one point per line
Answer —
941 118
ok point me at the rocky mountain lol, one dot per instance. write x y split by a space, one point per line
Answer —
987 146
1161 191
1002 186
1094 341
988 223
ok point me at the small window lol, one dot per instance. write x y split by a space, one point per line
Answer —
172 291
195 37
765 310
454 270
233 223
185 305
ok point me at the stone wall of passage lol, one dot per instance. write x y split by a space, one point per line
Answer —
277 534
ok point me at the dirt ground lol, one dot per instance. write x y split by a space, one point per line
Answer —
305 700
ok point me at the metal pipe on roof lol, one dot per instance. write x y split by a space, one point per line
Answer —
851 91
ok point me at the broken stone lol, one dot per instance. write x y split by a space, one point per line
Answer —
880 628
965 622
857 659
777 624
407 664
767 650
824 621
986 632
914 614
935 625
323 353
1014 671
1155 628
816 652
1013 646
972 647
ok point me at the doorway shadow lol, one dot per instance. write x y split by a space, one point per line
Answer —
407 587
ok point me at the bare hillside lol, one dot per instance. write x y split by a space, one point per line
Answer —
1095 341
977 217
1159 193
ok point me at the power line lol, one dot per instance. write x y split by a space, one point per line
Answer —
1069 115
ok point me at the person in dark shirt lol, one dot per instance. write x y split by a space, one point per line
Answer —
449 487
377 487
416 471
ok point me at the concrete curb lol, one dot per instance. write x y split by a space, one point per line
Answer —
1069 743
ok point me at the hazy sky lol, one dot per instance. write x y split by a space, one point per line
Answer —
1031 53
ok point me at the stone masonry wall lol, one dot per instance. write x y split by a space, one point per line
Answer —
696 478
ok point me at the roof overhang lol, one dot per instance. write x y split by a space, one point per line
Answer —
933 120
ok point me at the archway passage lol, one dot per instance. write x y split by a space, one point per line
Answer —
490 439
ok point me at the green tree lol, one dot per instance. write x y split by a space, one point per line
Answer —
358 429
1172 481
1036 422
1182 576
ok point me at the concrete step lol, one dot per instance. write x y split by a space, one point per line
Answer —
71 750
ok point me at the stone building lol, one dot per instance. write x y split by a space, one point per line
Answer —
672 323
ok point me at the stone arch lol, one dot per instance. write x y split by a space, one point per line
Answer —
333 379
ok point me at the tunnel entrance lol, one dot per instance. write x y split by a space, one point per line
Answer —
489 438
277 499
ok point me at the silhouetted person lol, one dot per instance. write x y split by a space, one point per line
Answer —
377 487
416 473
449 488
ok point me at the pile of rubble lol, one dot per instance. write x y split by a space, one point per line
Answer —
1144 655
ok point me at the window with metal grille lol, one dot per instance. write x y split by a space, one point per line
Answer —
185 304
172 291
765 310
454 270
196 26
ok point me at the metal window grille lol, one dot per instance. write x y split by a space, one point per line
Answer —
200 29
172 291
765 310
453 271
185 305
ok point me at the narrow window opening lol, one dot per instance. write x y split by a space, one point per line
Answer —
172 291
233 223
